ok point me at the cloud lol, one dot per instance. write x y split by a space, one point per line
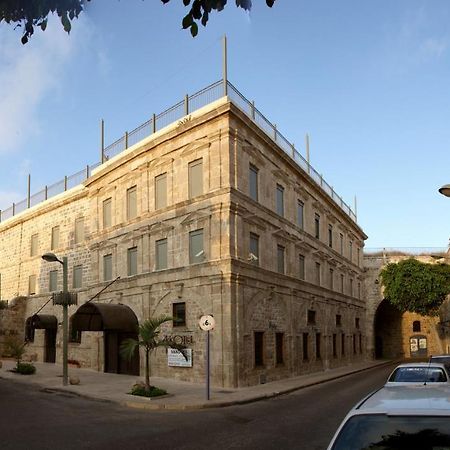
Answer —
29 73
432 48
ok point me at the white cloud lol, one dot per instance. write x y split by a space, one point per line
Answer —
29 73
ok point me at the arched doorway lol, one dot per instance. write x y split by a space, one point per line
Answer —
118 322
50 325
388 331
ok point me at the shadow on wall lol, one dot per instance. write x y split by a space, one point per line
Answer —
388 331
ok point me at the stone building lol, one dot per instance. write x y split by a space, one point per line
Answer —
208 215
392 334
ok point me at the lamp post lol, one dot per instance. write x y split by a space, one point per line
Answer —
51 257
445 190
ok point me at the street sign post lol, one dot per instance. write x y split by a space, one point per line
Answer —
207 323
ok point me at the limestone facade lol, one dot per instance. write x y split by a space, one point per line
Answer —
207 216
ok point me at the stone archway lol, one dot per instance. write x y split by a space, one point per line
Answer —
388 331
49 324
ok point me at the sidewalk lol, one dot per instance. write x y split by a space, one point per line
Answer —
182 395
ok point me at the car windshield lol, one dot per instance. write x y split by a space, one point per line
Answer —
382 432
418 375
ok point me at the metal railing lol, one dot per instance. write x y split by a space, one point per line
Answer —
183 108
408 251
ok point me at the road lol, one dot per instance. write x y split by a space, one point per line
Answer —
35 420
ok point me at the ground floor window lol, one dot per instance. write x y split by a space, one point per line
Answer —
334 345
279 338
318 346
343 344
305 347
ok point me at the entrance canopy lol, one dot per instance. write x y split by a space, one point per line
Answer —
101 317
42 322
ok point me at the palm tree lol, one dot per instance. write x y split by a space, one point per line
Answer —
148 338
16 348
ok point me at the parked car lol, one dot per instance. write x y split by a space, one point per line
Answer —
442 359
413 417
418 373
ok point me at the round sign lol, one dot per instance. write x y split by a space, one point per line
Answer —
207 323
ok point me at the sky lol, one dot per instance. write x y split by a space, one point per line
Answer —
368 81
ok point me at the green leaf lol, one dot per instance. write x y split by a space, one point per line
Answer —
194 29
187 21
66 23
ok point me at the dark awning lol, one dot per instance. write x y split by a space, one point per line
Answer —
100 317
42 321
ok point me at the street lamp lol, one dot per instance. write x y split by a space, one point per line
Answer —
445 190
65 300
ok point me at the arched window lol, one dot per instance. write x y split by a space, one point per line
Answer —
416 326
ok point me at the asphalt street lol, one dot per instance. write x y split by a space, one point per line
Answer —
34 419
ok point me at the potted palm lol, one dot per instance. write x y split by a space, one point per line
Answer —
149 339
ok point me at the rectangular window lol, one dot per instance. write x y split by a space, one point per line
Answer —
342 283
350 251
53 281
132 261
280 200
356 322
79 230
341 243
330 236
107 267
279 339
300 214
338 320
196 250
305 346
32 285
253 182
301 267
259 348
107 213
161 254
311 317
354 344
34 245
132 202
351 287
196 178
343 344
334 345
331 279
161 191
179 314
318 339
77 277
318 269
359 290
253 256
317 226
360 343
280 258
55 238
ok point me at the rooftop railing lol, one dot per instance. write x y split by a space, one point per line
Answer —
157 122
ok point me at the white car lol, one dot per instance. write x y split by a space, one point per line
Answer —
420 373
414 417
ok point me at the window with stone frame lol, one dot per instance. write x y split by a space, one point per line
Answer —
300 214
280 200
311 317
196 249
107 212
53 281
32 284
161 254
342 283
330 235
79 230
77 280
132 202
279 348
301 267
338 320
54 244
343 344
318 274
341 243
107 267
34 245
253 255
334 345
253 175
195 175
318 346
281 259
331 279
179 314
161 191
316 226
132 261
258 337
356 322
